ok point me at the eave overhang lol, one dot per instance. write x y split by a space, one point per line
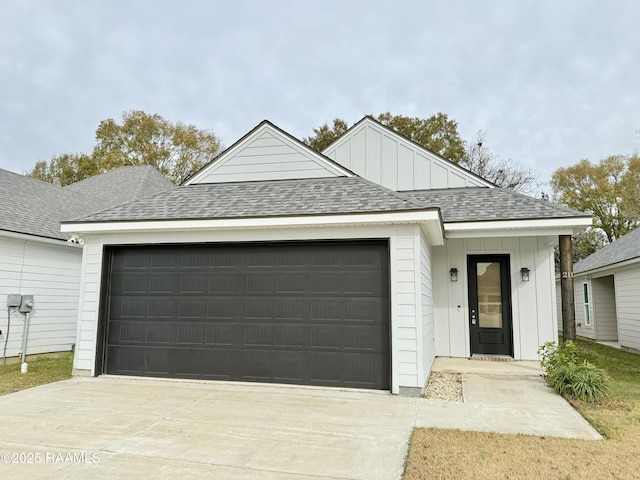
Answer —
517 228
430 222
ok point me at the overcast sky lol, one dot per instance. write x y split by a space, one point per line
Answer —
550 82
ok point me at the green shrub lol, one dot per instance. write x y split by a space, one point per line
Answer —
583 381
553 355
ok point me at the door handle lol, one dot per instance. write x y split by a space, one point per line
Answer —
473 317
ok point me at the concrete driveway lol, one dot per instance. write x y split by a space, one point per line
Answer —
131 428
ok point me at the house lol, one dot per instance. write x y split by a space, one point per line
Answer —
606 292
351 268
36 258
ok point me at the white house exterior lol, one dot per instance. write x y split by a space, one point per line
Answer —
607 293
355 269
36 260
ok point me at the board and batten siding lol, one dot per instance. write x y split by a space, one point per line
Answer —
388 159
51 273
627 287
269 156
534 311
406 292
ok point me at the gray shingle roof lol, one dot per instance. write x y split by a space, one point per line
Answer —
33 207
623 249
123 185
472 204
336 195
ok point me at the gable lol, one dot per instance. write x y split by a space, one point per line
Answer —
379 154
267 153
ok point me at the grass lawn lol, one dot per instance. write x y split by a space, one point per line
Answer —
453 454
42 370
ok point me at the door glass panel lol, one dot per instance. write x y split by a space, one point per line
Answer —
489 295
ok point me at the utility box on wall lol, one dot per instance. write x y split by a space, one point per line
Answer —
26 305
14 300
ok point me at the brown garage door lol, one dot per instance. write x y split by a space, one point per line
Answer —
303 313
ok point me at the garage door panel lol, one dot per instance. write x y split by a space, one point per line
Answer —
223 284
259 336
292 309
260 309
290 336
194 284
222 309
162 284
288 258
307 313
289 367
192 307
220 335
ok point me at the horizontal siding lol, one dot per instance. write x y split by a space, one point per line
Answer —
268 157
627 286
426 298
89 305
405 283
50 273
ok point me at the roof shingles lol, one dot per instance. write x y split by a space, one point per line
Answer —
623 249
474 204
33 207
336 195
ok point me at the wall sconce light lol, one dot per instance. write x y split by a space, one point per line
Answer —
524 272
454 274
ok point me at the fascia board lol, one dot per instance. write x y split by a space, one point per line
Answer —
33 238
263 222
514 228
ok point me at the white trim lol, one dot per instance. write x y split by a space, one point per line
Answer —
516 228
586 303
35 238
220 160
393 321
435 235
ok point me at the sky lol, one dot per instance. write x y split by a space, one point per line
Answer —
548 82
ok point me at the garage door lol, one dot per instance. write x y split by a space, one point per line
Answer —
303 313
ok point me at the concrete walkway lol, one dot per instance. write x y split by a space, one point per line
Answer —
142 428
504 397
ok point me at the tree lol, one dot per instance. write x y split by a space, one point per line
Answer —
325 135
609 190
437 133
504 173
175 149
65 169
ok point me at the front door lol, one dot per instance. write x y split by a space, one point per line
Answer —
490 305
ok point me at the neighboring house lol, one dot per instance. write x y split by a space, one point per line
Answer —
351 268
37 260
607 293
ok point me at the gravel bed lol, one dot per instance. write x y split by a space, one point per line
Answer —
444 386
